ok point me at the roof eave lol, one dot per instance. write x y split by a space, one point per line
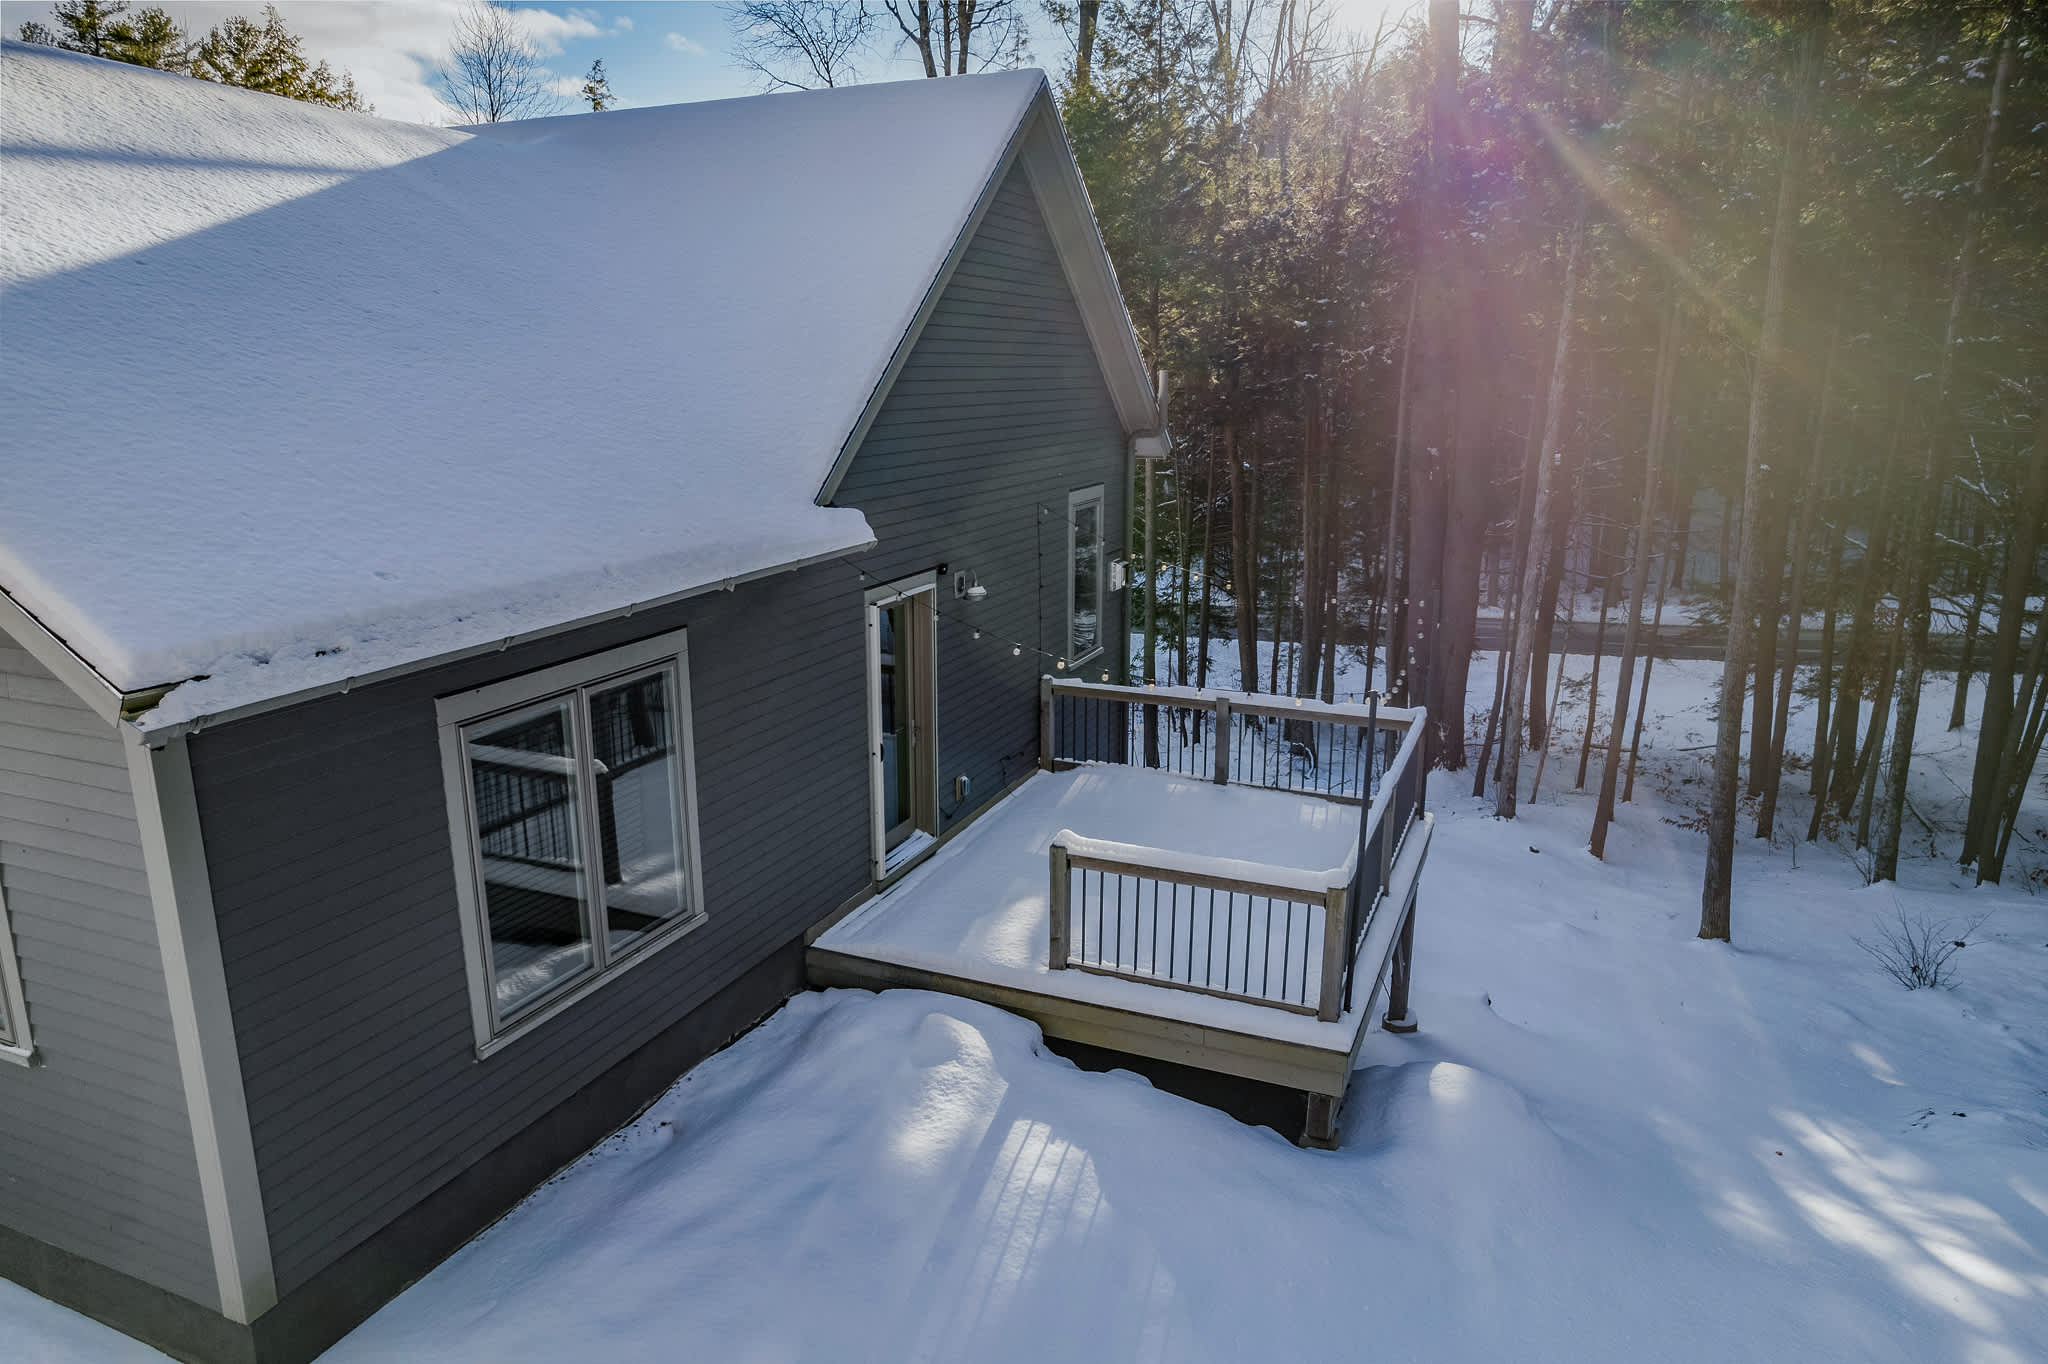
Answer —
65 663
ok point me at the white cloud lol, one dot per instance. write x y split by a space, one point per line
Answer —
568 87
549 31
681 43
622 24
392 50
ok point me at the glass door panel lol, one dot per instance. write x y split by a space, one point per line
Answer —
897 682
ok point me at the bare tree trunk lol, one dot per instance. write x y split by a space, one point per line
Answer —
1244 557
1394 622
1511 613
1915 599
1208 572
2017 764
1635 744
1979 585
2030 515
1873 740
1823 704
1544 622
1539 529
1564 649
1795 607
1841 787
1766 670
1429 464
1183 564
1639 571
1326 607
1718 884
1593 687
1086 12
1682 534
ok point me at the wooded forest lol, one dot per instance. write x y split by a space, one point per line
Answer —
1478 311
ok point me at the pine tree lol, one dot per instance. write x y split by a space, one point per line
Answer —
271 58
86 27
597 89
153 39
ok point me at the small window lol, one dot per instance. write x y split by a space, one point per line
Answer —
570 802
1084 575
14 1039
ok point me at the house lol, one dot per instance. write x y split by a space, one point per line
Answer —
471 603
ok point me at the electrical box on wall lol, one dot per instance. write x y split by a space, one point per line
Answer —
1119 575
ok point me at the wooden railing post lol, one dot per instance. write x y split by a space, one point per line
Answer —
1222 741
1061 946
1045 723
1336 948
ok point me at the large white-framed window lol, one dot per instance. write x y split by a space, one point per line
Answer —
1086 570
572 811
15 1044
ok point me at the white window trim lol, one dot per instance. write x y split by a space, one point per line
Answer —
15 1043
883 865
463 708
1077 499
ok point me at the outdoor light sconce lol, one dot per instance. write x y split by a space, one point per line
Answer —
1119 575
968 587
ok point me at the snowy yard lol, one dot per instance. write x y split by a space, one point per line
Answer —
1610 1141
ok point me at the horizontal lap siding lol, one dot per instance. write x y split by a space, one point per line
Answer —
95 1145
333 881
1000 410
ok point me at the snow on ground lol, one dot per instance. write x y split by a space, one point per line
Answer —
1610 1141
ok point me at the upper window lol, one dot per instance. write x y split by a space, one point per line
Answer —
570 797
14 1040
1084 574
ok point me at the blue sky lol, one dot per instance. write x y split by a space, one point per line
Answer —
655 51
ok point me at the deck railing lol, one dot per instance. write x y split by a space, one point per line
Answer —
1286 937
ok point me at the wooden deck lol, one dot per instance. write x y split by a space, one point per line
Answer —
975 921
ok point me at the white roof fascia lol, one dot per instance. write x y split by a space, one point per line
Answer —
159 734
1041 145
61 659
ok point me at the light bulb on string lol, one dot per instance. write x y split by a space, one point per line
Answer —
1016 651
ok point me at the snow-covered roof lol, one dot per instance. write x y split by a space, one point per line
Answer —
292 395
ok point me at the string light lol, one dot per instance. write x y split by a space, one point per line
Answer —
1017 647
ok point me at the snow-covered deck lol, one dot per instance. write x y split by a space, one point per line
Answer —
974 921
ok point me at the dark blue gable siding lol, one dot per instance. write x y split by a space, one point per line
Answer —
999 413
327 838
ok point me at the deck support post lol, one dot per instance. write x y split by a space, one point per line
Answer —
1056 960
1336 948
1319 1130
1221 745
1399 1019
1045 722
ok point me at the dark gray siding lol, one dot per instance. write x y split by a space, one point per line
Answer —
327 838
328 847
999 413
95 1146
